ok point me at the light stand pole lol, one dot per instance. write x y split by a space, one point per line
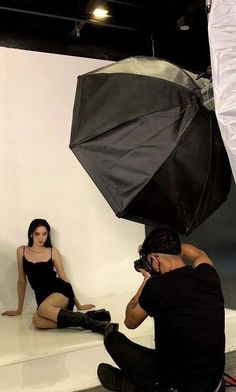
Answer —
208 7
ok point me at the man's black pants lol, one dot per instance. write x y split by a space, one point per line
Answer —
138 363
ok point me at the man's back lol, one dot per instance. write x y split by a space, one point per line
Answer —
188 308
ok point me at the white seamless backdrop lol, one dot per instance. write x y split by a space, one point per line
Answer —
40 177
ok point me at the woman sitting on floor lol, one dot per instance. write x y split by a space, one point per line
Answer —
41 263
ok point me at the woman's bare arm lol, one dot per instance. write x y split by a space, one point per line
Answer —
21 285
56 257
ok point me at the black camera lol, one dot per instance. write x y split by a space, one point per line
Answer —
143 262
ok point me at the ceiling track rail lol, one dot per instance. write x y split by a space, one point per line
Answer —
73 19
126 3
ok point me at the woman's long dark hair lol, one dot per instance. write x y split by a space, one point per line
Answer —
33 226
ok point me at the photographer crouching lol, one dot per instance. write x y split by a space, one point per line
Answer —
187 305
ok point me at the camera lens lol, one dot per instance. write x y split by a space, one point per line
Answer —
143 263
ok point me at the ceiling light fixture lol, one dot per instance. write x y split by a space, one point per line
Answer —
98 8
184 23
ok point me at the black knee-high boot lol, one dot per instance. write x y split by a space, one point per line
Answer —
99 314
67 318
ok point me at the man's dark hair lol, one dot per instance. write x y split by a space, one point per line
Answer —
162 240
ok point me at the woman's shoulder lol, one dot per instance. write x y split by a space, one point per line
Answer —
20 252
20 249
55 252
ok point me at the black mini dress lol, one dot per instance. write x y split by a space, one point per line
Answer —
44 280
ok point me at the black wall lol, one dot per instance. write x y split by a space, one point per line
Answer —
217 237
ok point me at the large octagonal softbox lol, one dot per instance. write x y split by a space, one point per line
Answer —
140 132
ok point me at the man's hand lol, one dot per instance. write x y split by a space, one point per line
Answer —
145 273
140 248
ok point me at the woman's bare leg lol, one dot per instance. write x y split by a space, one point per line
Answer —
42 322
46 315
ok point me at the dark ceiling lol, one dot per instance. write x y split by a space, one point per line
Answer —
134 27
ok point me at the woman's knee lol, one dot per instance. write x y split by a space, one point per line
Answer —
43 310
36 320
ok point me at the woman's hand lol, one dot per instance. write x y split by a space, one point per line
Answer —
86 307
11 313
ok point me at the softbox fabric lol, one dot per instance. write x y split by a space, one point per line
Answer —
222 39
140 132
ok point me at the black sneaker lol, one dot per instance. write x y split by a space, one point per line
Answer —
114 379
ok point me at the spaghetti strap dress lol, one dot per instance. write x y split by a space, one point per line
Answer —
44 280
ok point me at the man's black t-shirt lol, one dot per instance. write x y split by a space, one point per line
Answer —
188 308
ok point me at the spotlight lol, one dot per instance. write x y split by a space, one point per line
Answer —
184 23
98 8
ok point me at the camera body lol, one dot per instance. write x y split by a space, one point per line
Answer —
143 262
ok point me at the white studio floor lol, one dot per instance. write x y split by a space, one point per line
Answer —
66 360
62 360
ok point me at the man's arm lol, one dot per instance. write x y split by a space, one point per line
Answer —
134 314
195 255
